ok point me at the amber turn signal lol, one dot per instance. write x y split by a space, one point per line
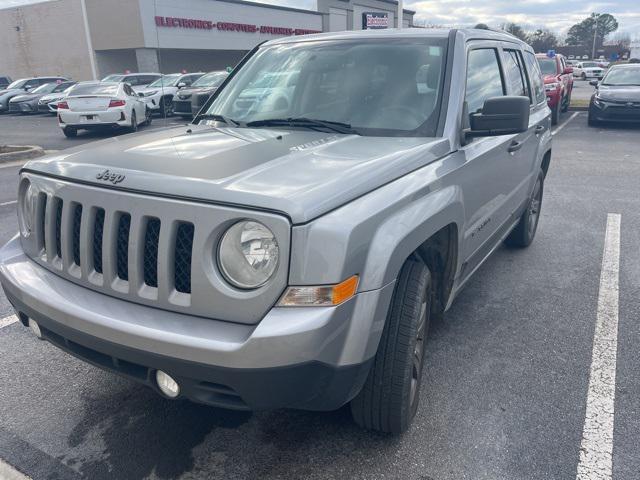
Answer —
320 296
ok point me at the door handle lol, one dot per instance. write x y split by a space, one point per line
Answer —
515 146
540 129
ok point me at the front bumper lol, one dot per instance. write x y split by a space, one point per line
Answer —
22 107
183 107
310 358
615 113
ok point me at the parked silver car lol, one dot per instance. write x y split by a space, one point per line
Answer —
23 85
291 251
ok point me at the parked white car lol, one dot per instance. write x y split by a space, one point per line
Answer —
137 81
159 95
49 103
586 70
96 105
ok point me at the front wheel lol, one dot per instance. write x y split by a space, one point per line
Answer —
389 398
583 76
134 122
524 232
166 107
567 102
148 116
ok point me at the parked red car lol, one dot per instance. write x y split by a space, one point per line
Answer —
558 82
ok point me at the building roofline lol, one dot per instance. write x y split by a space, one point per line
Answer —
274 7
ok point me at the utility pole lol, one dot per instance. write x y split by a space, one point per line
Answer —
400 14
87 34
595 35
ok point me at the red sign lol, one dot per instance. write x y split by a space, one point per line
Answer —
198 24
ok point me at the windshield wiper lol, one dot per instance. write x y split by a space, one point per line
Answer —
218 118
339 127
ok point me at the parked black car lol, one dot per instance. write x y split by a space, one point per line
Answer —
189 100
617 96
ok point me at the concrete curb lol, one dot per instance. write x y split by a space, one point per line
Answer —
20 152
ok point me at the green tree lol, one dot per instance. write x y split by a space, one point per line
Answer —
515 30
581 34
542 40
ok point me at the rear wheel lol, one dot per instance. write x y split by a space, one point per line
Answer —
148 116
583 76
555 113
70 132
524 232
389 398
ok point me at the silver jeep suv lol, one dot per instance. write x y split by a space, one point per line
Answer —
289 248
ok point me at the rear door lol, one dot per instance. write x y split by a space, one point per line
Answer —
523 149
491 176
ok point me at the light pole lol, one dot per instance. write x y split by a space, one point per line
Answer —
595 35
400 14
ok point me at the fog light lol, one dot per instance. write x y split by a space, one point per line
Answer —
167 385
35 328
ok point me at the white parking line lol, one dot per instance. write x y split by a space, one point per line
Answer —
560 127
5 322
596 449
4 204
15 163
7 472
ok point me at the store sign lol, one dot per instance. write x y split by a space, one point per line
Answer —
199 24
374 20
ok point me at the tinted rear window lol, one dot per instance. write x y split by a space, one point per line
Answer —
94 89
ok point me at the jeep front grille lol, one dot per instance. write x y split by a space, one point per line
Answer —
146 249
120 242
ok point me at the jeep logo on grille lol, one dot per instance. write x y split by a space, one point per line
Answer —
112 177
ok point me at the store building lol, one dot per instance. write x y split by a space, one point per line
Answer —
83 39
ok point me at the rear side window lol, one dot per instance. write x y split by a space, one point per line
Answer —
483 78
536 77
515 74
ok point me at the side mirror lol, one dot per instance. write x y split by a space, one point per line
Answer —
594 83
567 71
500 116
181 85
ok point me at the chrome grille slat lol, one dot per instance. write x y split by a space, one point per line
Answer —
170 252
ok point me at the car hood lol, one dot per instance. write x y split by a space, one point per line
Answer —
299 173
548 78
619 94
198 90
13 92
26 98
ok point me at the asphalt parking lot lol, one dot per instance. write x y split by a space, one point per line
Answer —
506 377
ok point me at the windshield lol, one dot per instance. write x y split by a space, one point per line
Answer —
622 76
46 88
589 65
548 66
213 79
94 89
61 87
377 87
166 81
113 78
17 84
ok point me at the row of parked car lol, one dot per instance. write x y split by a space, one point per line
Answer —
118 100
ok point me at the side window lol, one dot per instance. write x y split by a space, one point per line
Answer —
484 79
515 73
537 86
147 79
129 91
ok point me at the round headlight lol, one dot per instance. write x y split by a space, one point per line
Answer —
248 254
26 208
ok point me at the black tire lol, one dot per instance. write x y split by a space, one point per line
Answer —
148 117
583 76
525 231
555 113
134 122
70 132
390 396
166 106
567 102
591 121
